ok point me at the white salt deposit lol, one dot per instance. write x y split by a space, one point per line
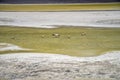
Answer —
61 58
11 47
52 19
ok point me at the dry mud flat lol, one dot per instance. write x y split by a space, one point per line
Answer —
53 19
34 66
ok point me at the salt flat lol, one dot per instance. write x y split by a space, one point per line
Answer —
52 19
40 66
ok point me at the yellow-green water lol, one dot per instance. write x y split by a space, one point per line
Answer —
73 41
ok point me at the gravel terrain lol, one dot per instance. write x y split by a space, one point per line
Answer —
34 66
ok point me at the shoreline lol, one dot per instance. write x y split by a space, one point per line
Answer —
12 47
110 55
58 26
